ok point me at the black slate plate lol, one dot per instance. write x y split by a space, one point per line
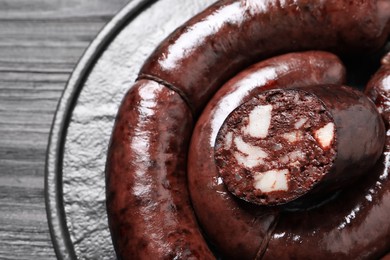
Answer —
75 188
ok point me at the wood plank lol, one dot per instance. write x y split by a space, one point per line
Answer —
46 35
40 43
17 168
54 9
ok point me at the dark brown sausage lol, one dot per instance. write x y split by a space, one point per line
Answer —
216 44
238 229
148 206
287 143
355 225
232 35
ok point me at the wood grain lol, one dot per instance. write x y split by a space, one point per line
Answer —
40 43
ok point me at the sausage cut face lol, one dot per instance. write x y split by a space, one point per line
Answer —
286 143
275 147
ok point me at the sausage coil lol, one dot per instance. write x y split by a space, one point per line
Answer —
150 214
250 226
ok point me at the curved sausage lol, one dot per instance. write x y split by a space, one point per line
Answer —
241 230
148 206
292 143
357 226
213 46
193 62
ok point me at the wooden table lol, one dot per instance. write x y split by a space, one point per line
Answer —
40 43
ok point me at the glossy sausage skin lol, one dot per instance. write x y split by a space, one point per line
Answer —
213 46
357 226
238 229
360 135
315 162
144 210
148 206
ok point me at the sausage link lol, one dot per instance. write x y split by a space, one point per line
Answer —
213 46
148 206
149 212
356 224
292 143
238 229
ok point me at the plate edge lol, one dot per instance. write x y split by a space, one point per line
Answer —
59 233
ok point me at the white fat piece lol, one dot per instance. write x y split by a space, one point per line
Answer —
300 122
293 137
248 155
293 158
259 122
248 161
325 135
273 180
228 140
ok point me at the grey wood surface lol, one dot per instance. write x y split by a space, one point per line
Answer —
40 43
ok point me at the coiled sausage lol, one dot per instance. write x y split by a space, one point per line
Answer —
239 229
180 77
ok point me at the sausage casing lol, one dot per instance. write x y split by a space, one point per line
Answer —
357 221
214 45
241 230
148 206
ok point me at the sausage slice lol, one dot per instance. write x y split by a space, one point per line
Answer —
283 144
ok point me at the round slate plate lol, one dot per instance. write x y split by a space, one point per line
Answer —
75 181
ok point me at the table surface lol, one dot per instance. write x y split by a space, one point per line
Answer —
40 44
